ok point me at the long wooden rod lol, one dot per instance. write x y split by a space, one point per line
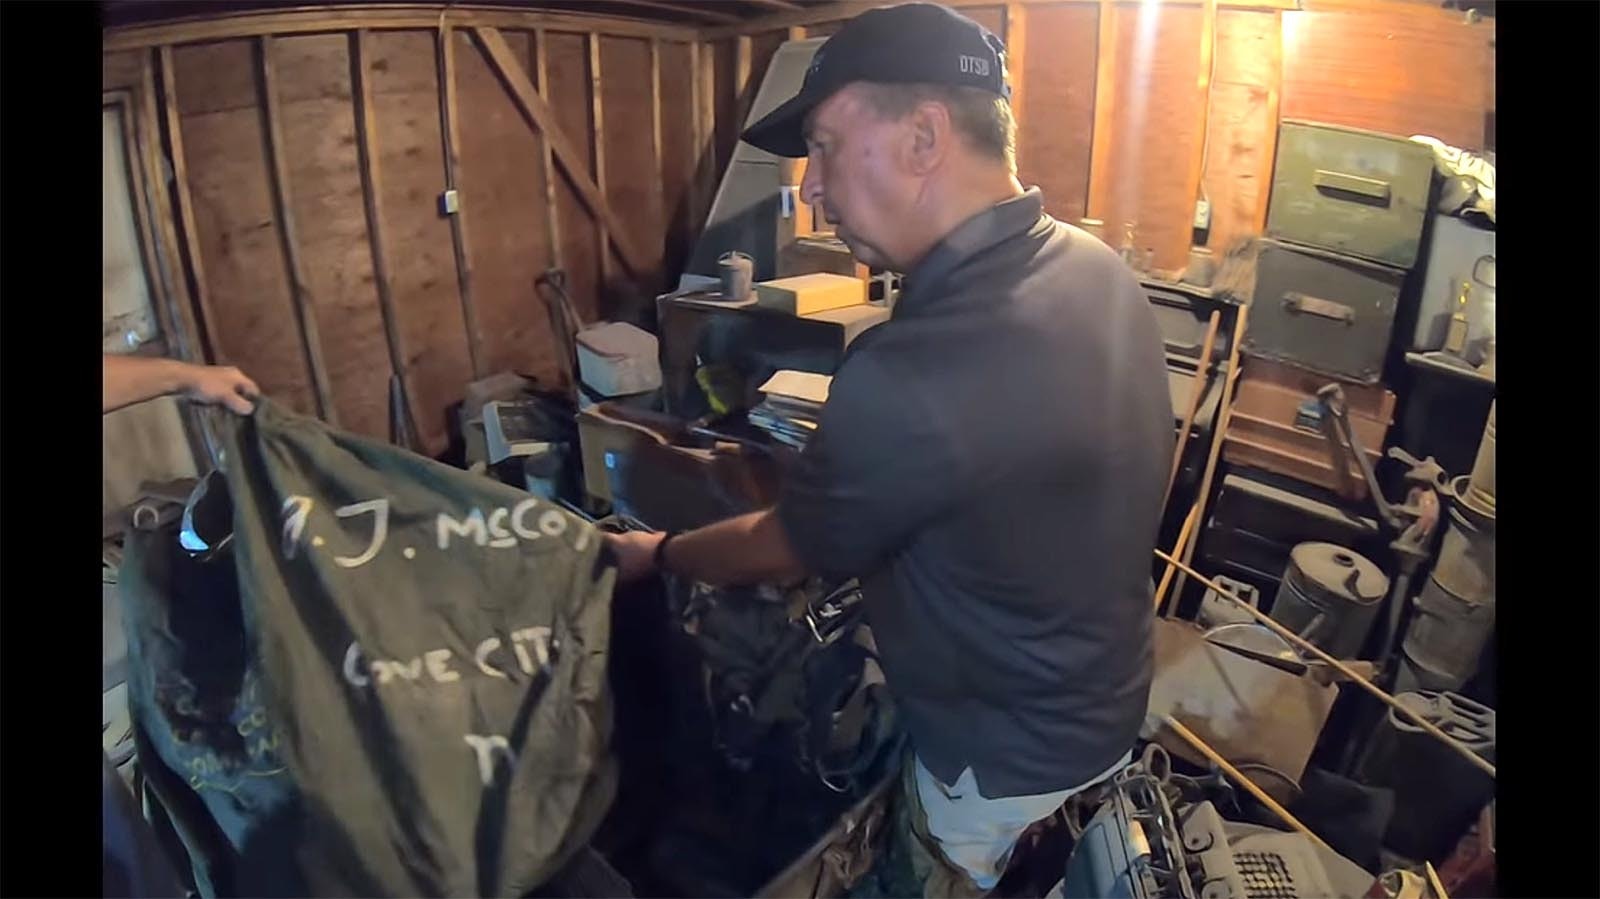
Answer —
1238 777
1202 374
1219 436
1177 550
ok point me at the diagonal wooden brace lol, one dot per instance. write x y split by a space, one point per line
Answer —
572 159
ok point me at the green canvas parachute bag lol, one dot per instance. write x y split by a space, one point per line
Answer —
359 672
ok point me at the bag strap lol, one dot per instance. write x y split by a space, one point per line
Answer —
849 715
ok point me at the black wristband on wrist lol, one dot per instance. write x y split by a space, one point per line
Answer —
660 557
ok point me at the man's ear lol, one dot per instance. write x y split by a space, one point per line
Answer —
930 137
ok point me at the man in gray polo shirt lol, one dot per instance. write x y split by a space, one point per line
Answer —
990 462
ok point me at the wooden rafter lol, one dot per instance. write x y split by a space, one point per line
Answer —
389 16
460 244
656 155
180 178
1104 112
377 224
597 147
706 11
304 307
552 213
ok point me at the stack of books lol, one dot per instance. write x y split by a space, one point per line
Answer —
791 405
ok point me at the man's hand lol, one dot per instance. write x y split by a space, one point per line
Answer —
134 379
636 553
221 385
748 549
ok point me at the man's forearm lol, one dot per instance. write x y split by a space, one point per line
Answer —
127 380
749 549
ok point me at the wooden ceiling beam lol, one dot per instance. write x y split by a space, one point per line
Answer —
376 17
846 9
703 11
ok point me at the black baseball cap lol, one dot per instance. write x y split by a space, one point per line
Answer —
922 43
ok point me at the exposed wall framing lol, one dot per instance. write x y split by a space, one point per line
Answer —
297 157
303 233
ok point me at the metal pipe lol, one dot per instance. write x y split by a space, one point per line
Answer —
1427 726
1397 603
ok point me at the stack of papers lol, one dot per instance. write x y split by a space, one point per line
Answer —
791 406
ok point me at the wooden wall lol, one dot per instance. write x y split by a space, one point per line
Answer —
301 234
308 154
1131 111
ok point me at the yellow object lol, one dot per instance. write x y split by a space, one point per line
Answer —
1456 340
806 294
720 385
1433 881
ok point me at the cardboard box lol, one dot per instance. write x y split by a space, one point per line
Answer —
808 294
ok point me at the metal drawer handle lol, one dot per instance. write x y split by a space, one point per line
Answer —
1308 417
1352 184
1299 302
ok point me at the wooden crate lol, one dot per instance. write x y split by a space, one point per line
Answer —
1274 425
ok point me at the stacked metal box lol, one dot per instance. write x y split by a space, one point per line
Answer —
1344 227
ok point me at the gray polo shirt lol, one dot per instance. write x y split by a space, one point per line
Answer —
990 463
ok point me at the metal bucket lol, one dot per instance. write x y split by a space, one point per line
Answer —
1329 596
1447 635
1466 557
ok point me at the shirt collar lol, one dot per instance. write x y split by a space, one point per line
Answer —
1005 219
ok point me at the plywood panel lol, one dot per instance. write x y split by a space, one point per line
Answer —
237 228
1155 133
318 123
1387 71
1056 130
1242 126
569 95
677 149
221 77
502 187
630 182
121 69
405 87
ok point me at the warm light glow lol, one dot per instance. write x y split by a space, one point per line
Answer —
1291 33
1135 97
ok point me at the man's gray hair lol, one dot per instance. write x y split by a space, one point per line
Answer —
983 118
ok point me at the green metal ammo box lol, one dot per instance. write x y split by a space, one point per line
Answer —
1324 312
1354 192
